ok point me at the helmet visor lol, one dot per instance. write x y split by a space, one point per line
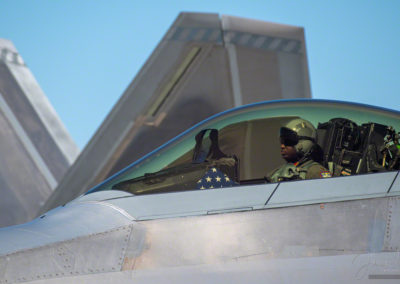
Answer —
288 137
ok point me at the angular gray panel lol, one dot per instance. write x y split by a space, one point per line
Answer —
63 223
101 196
395 189
95 253
36 150
295 232
333 189
354 268
198 202
392 234
22 185
259 75
34 96
272 59
291 75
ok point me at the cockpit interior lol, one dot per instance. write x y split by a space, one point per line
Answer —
239 147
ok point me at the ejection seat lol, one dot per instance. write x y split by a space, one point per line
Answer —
207 150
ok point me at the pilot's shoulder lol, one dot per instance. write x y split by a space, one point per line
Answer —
316 170
274 174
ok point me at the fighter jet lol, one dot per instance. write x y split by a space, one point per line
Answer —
200 210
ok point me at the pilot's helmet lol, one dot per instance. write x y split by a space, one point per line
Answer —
299 133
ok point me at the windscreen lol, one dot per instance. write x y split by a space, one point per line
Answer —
242 145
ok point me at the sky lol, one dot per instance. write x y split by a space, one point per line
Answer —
85 53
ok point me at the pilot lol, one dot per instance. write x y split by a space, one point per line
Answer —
301 152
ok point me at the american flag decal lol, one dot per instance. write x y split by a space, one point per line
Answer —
214 178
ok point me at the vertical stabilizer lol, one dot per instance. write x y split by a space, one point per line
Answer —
36 150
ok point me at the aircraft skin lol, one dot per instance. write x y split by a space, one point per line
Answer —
334 230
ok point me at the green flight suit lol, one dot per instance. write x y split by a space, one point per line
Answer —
308 169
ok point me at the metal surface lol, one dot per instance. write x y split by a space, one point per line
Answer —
284 54
395 188
245 198
345 241
36 150
21 197
63 223
32 108
302 231
334 189
98 253
368 268
27 143
199 202
392 233
102 196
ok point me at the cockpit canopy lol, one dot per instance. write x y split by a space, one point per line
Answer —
241 146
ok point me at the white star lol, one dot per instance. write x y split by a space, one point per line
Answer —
208 179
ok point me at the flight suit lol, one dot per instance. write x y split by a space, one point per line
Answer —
308 169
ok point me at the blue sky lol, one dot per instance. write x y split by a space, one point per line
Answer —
85 53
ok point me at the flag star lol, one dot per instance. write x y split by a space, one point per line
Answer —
202 187
208 179
211 187
227 179
199 181
214 170
218 179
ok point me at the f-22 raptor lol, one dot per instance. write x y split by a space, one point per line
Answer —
200 210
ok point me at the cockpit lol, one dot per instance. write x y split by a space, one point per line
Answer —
240 146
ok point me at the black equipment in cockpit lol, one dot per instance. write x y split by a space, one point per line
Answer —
352 149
